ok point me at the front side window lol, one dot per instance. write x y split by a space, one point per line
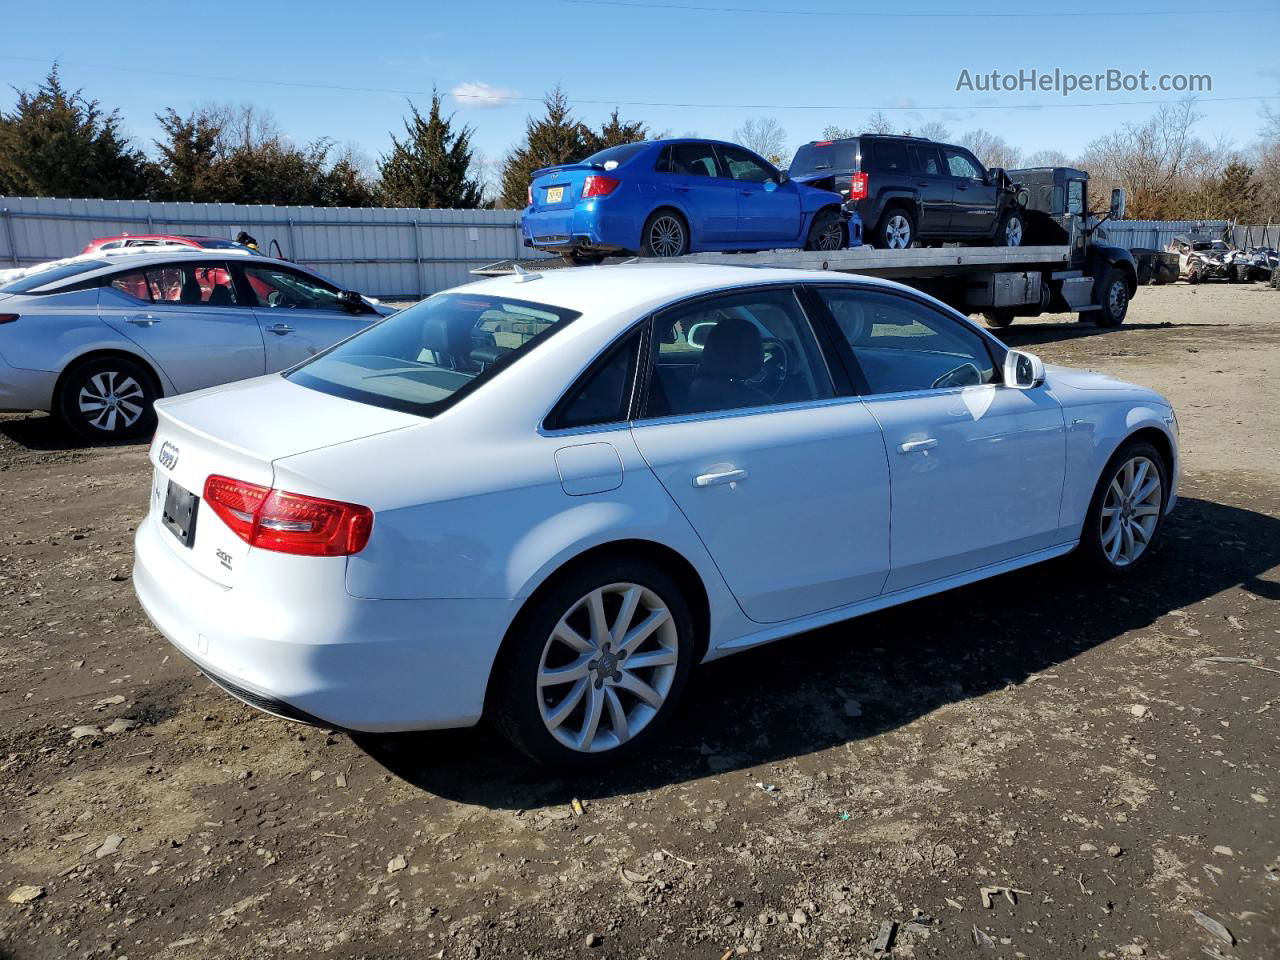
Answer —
902 345
694 159
284 288
1075 196
427 356
748 349
744 166
962 165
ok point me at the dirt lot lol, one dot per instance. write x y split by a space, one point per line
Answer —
1038 732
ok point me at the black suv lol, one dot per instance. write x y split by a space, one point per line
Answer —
912 190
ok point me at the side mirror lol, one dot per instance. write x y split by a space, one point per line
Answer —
770 186
352 301
995 176
784 176
1117 203
1023 371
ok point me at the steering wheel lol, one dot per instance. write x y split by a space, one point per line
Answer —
774 368
965 375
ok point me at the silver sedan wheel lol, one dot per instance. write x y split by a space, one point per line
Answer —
608 667
111 401
1013 232
897 232
666 237
1130 511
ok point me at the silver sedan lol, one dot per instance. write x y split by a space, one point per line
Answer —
96 341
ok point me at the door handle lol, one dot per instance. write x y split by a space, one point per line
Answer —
280 328
746 193
911 446
715 479
961 186
142 320
922 183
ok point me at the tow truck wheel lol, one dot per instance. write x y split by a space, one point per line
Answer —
1113 296
998 319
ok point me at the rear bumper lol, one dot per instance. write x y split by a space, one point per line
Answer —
587 224
26 389
309 651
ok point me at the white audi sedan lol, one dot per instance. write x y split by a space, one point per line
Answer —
536 499
95 340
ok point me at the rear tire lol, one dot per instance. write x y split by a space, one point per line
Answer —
998 319
827 232
1127 525
1114 299
557 638
896 229
666 234
582 259
108 399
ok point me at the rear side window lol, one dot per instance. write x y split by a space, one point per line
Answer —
603 395
190 284
927 161
425 358
890 156
694 159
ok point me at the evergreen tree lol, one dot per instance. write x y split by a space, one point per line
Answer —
557 137
615 132
431 167
1237 193
190 155
58 143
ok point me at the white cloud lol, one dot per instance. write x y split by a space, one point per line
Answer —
482 96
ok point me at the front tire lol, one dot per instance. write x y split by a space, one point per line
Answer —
666 234
108 399
1010 231
592 670
1126 512
1114 299
827 232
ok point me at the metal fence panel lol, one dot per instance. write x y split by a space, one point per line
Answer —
1156 234
393 253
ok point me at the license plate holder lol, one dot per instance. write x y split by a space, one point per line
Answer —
179 514
555 194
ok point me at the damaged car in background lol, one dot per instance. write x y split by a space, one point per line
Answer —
1200 260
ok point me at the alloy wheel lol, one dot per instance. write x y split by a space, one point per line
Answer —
897 232
832 237
608 667
666 237
1131 511
111 401
1013 232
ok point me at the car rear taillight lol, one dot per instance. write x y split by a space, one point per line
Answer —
289 522
8 317
530 203
598 186
858 186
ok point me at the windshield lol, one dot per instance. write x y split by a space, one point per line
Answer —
427 356
615 155
839 155
29 282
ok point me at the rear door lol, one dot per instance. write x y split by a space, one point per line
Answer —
976 201
785 482
767 210
189 318
937 191
697 184
299 314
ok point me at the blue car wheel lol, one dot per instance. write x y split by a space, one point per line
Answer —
665 235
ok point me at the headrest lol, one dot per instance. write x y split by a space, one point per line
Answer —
733 351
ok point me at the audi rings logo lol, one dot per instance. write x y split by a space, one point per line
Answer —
168 455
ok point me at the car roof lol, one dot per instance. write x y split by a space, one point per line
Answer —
629 289
158 236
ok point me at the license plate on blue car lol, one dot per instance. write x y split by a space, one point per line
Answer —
555 194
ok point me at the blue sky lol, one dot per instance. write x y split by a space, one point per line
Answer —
744 64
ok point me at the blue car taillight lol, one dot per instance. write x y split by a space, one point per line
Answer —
598 186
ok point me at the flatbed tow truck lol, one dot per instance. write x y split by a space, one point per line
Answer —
1068 270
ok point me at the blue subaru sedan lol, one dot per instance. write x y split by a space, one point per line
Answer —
666 198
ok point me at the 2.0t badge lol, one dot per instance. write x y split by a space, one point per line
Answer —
168 455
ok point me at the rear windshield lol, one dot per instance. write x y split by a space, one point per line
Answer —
40 278
616 155
836 155
424 358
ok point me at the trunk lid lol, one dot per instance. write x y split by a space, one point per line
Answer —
556 188
239 431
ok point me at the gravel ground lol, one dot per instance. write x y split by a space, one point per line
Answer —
1071 743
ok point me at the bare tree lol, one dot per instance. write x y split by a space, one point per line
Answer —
765 136
878 123
933 130
1046 158
992 149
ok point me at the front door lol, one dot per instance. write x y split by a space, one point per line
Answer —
977 468
697 186
767 211
299 314
975 201
786 484
189 319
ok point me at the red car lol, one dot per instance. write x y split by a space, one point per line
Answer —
160 240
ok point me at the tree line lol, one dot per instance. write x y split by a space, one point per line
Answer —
60 142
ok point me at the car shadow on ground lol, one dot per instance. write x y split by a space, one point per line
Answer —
41 433
788 699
